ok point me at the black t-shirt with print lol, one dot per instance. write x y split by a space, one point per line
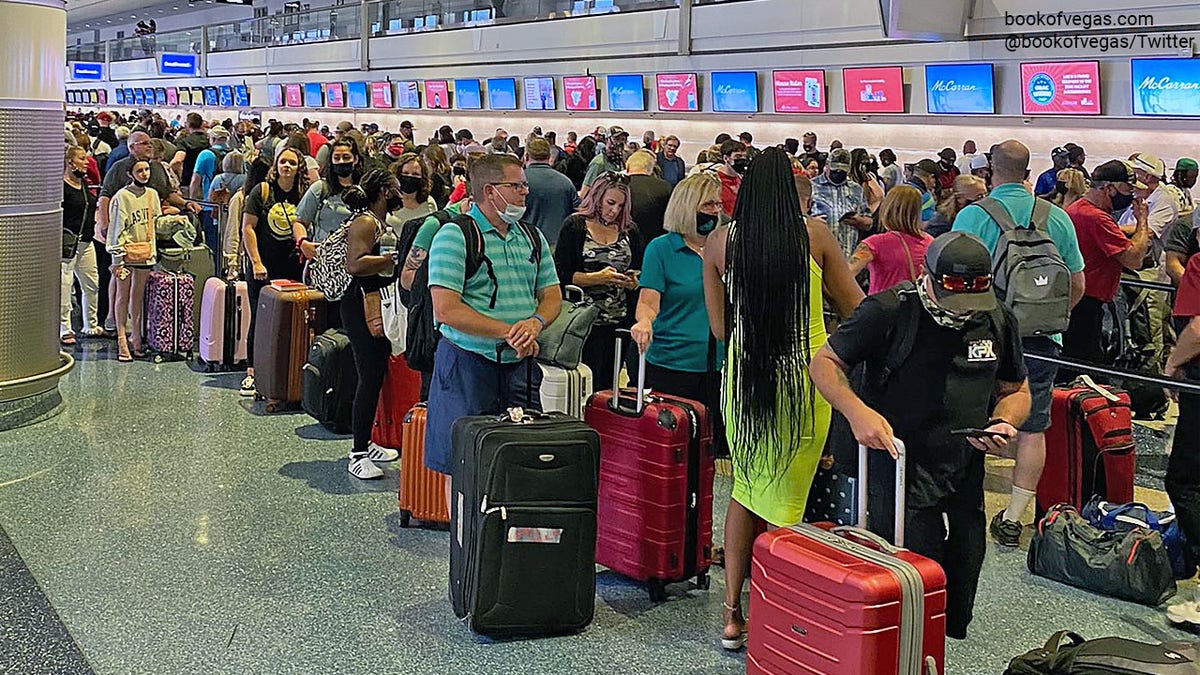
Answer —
947 382
277 251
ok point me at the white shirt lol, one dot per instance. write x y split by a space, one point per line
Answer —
964 164
1163 211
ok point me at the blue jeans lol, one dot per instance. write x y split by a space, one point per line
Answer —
465 383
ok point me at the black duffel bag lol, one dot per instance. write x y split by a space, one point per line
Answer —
1105 656
1131 565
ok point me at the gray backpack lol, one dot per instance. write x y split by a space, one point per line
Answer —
1028 272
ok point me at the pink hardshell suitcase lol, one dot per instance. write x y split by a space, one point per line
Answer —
224 324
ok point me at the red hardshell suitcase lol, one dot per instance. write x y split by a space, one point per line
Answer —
656 485
224 323
1089 447
842 601
170 331
401 391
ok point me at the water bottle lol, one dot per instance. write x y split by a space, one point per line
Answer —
387 247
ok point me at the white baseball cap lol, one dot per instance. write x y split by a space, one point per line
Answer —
1150 164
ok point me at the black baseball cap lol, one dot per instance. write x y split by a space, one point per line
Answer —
961 269
948 154
1117 171
929 166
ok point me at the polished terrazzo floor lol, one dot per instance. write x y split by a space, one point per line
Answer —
161 524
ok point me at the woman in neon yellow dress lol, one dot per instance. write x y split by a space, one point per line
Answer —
763 276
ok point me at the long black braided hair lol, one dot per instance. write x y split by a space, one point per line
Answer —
767 315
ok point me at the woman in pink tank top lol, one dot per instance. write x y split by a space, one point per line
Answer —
898 254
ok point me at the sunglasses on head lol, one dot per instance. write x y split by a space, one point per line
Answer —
960 284
616 178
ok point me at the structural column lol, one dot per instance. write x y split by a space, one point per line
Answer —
32 70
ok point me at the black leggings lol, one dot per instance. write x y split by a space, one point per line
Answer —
254 289
370 360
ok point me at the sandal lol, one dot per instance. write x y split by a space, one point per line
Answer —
68 339
733 644
718 556
123 351
96 332
139 350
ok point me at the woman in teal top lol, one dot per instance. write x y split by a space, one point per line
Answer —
682 358
762 280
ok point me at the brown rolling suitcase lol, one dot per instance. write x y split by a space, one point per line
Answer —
287 323
422 492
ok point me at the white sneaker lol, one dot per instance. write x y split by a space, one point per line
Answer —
378 453
247 386
364 469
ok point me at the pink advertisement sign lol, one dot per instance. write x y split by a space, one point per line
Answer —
580 93
874 90
799 91
677 92
1064 88
437 94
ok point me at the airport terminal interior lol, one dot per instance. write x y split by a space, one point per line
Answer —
155 520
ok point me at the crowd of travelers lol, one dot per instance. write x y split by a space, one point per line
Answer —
759 280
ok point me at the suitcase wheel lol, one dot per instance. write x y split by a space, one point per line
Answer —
158 358
702 581
405 518
657 590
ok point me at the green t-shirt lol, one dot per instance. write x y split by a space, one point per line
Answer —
518 278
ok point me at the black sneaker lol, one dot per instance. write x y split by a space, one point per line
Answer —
1006 532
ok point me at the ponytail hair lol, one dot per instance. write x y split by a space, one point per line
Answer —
360 197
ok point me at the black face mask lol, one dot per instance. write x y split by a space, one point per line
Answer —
394 202
459 171
139 183
410 184
343 169
809 148
705 223
741 166
1060 187
78 174
837 177
1120 202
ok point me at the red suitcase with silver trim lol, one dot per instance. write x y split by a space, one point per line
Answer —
842 601
654 510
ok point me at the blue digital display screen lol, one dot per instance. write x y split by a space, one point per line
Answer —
356 94
960 88
502 93
467 95
735 92
626 93
225 95
1165 87
241 96
210 96
314 95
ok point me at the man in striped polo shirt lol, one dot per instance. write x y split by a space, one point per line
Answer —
509 301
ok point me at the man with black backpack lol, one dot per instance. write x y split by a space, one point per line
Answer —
491 284
1038 274
189 147
948 350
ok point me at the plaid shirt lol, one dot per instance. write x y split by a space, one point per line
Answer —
835 201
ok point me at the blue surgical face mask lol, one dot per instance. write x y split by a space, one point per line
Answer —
511 213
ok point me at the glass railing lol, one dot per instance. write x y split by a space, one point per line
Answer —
93 52
394 17
319 25
148 46
387 17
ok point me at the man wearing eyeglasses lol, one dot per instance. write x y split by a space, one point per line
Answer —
509 299
1009 162
948 349
674 169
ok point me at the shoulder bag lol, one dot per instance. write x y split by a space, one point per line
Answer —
561 343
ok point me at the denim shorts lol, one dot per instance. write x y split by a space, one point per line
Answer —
1041 382
465 383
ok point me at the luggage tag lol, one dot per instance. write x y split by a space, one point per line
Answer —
1091 384
535 535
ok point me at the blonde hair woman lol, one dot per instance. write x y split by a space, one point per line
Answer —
672 322
898 254
131 242
1069 185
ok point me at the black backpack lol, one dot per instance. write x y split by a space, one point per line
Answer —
422 336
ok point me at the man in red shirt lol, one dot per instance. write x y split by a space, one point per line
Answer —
1106 251
315 138
733 166
1183 467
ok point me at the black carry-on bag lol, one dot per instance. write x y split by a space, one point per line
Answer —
523 523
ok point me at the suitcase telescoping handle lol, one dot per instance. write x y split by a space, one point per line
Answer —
640 393
861 529
500 348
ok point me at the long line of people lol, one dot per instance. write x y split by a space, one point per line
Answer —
728 277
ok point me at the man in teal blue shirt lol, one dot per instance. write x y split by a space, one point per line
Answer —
1010 160
507 302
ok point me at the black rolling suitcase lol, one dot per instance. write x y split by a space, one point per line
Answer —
523 524
330 379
